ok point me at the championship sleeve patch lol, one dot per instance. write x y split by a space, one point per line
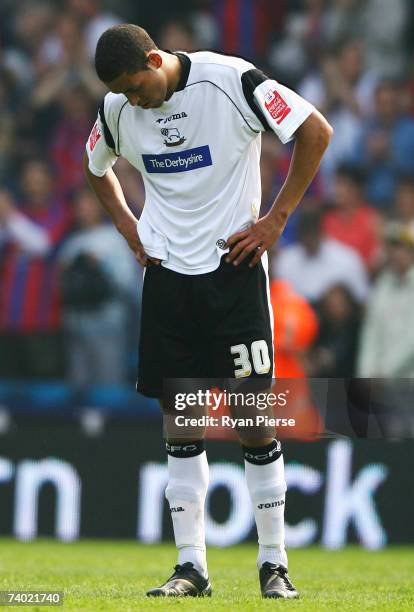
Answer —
95 136
276 106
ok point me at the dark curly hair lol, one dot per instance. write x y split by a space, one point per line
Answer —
120 49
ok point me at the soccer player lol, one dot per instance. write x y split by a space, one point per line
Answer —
191 124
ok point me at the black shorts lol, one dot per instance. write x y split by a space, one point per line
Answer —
214 325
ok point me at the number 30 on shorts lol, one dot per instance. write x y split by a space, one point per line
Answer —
259 356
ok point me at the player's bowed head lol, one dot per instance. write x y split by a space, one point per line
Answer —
128 61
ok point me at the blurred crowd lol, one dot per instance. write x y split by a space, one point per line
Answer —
343 272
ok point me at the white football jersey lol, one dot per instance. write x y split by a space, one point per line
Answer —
198 155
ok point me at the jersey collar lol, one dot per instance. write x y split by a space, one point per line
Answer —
185 68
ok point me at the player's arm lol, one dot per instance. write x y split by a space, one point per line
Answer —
109 192
98 160
289 116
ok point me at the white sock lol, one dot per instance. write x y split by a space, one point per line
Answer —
186 493
267 487
272 554
196 555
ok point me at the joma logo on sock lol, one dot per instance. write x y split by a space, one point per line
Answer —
178 509
271 504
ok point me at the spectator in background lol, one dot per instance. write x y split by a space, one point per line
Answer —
295 328
387 340
404 201
95 18
244 28
380 23
177 35
22 29
31 232
343 90
7 121
352 221
62 61
64 74
132 185
291 55
342 81
73 127
385 36
408 86
344 20
99 278
333 354
317 263
28 25
386 145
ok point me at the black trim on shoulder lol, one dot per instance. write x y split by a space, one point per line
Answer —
107 132
231 100
250 80
185 70
118 150
218 52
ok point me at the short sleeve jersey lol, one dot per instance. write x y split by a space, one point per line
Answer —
198 154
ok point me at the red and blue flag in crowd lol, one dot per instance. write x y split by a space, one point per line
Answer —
245 26
29 296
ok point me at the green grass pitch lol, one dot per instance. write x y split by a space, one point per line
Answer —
108 575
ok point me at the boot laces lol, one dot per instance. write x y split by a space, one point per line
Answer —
281 571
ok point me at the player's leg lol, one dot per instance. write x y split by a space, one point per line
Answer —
167 352
188 477
188 472
244 351
265 478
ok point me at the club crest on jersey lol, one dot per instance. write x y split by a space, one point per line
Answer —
173 137
276 106
94 137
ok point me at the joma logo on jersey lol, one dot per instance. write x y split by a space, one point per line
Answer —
172 118
178 162
276 106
